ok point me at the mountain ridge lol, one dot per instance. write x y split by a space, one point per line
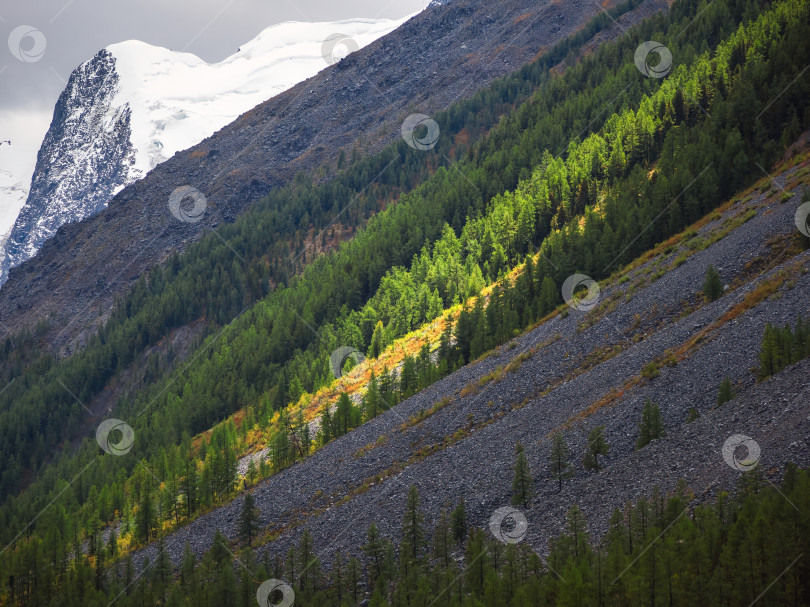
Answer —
134 105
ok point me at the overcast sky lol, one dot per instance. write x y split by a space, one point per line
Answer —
74 30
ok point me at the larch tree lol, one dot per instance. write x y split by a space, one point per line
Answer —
597 445
248 523
651 427
712 285
459 521
522 482
561 467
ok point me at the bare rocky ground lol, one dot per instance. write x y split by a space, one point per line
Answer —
642 318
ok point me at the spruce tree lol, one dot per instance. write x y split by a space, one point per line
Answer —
413 536
463 331
783 347
281 445
459 522
146 518
651 427
219 548
548 296
223 591
446 341
478 329
388 389
407 378
522 482
424 368
526 291
376 347
338 577
441 540
561 467
190 484
326 425
725 394
129 574
374 549
229 466
112 545
353 578
248 523
712 285
477 562
371 399
597 445
162 571
768 352
343 415
576 532
187 566
252 473
307 561
290 562
302 431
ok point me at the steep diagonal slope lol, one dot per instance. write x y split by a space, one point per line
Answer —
444 53
134 105
584 371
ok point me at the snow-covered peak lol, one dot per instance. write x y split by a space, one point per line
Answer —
177 99
135 105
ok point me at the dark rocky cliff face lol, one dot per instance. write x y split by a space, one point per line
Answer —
85 132
445 53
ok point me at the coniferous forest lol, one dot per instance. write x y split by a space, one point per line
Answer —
661 550
536 177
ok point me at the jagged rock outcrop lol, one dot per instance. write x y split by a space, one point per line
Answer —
84 160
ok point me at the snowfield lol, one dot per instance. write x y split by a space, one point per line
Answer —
177 99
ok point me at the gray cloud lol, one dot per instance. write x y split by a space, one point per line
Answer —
212 29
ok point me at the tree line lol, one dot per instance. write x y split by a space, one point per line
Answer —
660 550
